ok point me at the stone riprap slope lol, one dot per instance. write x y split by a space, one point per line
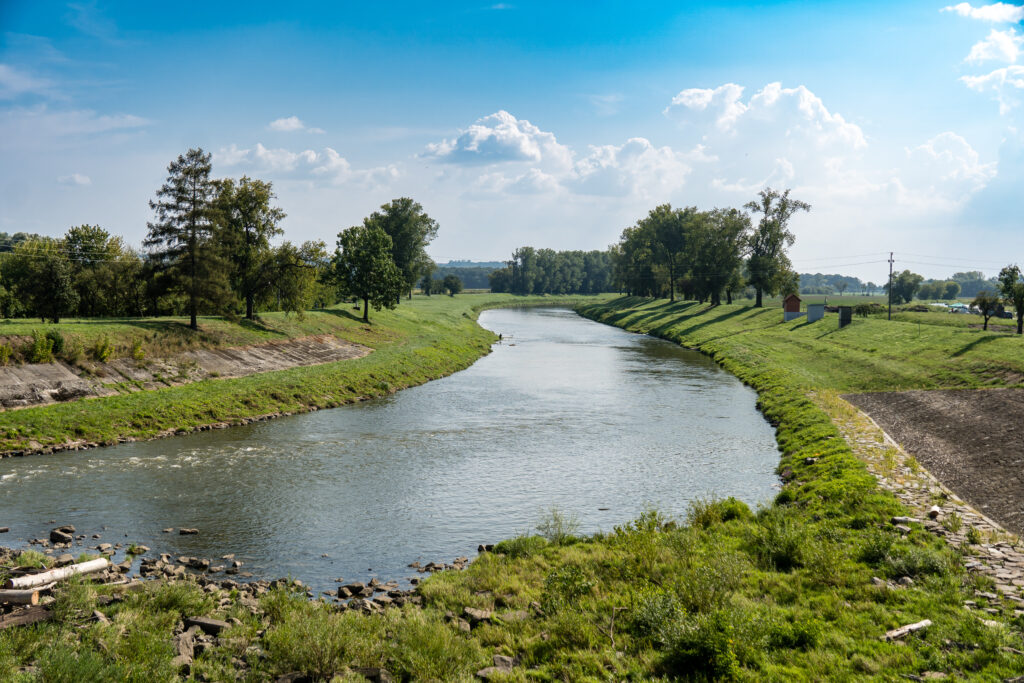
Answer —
40 384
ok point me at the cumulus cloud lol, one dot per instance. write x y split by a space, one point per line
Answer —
327 164
636 168
1002 46
75 179
944 170
1005 83
1000 12
292 124
499 138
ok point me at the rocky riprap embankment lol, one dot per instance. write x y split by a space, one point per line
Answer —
988 549
39 384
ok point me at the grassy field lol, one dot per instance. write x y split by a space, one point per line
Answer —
423 339
801 590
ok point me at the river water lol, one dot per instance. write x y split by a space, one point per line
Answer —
564 412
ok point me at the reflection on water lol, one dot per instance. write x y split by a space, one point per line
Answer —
564 412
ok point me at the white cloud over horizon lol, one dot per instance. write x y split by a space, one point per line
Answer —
307 164
78 179
292 124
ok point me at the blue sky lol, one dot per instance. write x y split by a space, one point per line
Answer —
551 124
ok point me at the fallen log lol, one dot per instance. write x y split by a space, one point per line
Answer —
20 597
902 631
33 580
26 616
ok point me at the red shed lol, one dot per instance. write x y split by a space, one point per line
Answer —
791 304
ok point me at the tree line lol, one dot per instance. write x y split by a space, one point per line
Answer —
1006 289
545 271
208 251
705 255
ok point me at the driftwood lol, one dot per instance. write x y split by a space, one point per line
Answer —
26 616
902 631
34 580
28 596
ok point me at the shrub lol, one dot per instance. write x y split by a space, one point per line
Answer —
64 664
73 349
704 648
708 512
138 353
74 600
656 615
778 540
318 642
706 583
57 340
40 349
521 546
187 599
558 528
5 354
915 562
974 536
31 559
953 522
876 547
102 350
564 587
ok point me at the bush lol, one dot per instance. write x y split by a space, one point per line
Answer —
138 353
707 513
558 528
57 340
40 349
187 599
102 350
32 559
876 547
778 540
73 349
564 587
656 615
5 354
704 648
915 562
521 546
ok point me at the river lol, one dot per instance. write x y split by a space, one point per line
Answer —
564 412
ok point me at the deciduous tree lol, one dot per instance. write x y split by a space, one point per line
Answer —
1011 285
768 264
410 230
364 268
988 304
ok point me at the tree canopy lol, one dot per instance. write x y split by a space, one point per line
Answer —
410 230
364 267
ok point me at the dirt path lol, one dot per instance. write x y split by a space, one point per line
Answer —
32 385
972 441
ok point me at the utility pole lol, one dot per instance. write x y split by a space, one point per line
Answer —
890 285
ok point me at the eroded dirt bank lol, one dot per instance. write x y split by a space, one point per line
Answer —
970 440
33 385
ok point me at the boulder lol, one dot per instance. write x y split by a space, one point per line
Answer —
207 625
475 616
58 536
187 532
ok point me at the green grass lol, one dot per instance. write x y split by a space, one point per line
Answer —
423 339
784 593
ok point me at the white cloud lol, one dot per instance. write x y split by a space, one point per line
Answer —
1004 82
636 168
33 125
943 172
327 164
1002 46
720 106
498 138
14 83
997 12
287 125
74 179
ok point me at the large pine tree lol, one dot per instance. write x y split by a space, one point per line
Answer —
182 233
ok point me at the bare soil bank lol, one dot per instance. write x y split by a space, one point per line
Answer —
33 385
971 440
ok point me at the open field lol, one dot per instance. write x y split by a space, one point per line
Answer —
802 590
423 339
970 440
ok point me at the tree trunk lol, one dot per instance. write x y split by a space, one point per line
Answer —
716 298
1020 321
728 296
757 301
250 307
33 580
366 310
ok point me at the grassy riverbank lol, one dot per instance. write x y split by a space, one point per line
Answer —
802 590
422 339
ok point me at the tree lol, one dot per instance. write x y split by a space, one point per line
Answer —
904 286
41 275
364 268
1011 285
716 258
247 222
668 234
183 230
453 284
988 304
768 264
296 272
410 230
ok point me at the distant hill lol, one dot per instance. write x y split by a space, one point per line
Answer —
491 265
